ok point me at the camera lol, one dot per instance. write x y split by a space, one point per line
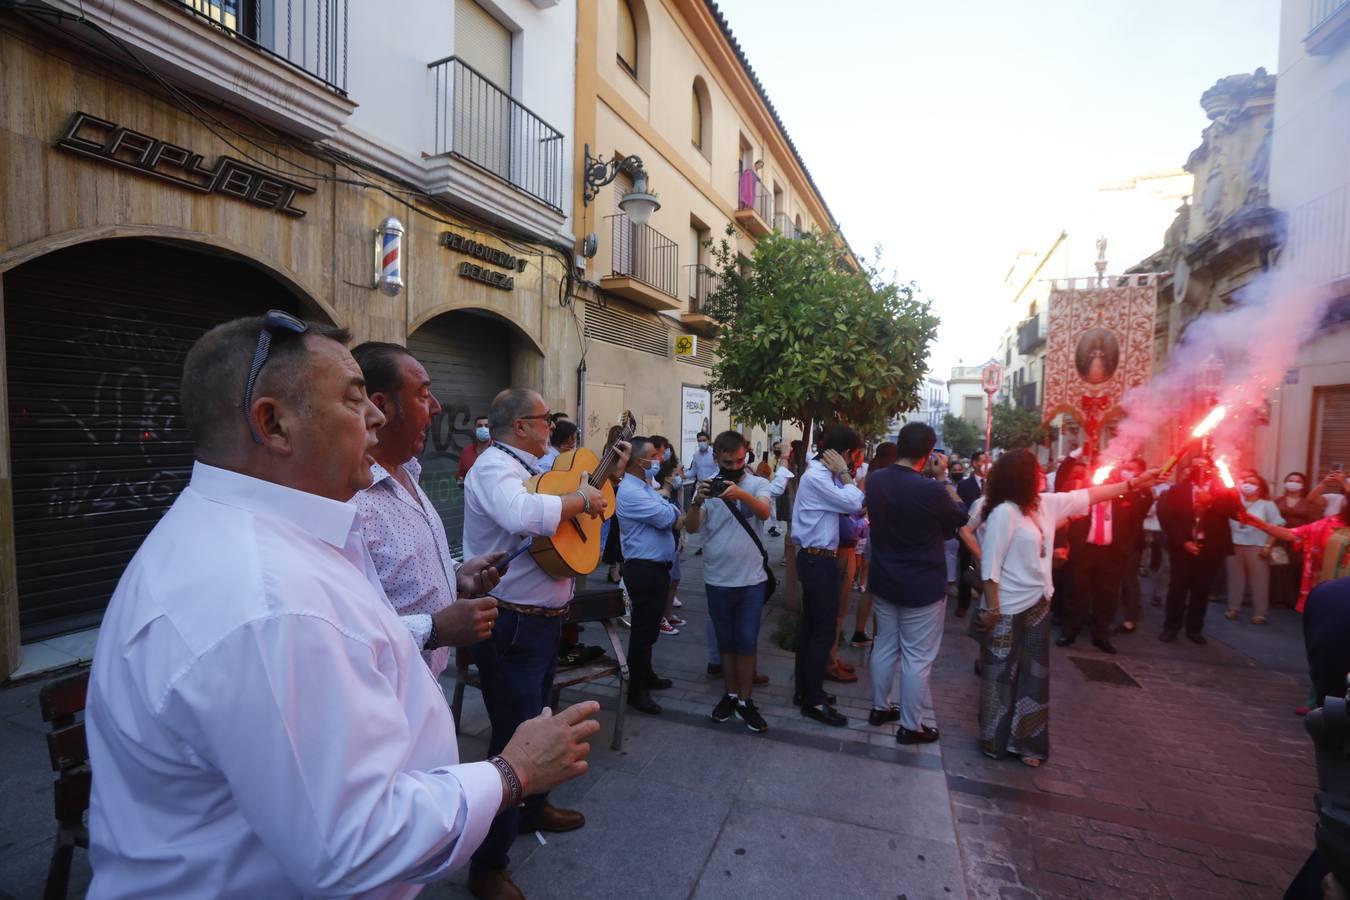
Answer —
717 486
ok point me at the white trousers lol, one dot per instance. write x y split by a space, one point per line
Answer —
906 645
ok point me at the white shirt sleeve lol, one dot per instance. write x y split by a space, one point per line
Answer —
419 625
1066 505
825 494
998 535
781 476
319 771
520 512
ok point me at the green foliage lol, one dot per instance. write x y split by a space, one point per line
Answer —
1016 428
961 437
807 336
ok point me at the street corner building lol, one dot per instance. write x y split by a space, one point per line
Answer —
465 186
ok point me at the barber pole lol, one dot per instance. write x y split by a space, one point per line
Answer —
389 257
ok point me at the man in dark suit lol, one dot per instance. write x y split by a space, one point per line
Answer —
969 489
1194 517
1100 546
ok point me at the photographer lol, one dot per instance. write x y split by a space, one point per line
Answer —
734 570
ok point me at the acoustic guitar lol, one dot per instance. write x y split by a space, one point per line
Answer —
575 547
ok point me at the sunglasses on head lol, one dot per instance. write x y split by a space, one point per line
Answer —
275 322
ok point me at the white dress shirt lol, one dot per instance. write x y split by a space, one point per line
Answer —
499 514
781 476
1017 551
703 465
815 514
406 540
259 721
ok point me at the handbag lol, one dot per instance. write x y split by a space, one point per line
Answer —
1279 555
771 584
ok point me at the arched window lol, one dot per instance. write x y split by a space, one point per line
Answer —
628 38
697 126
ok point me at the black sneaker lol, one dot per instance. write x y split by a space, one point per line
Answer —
860 639
724 708
751 717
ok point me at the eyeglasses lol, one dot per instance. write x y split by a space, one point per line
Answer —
274 322
547 415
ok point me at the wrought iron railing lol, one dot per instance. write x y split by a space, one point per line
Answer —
1029 335
750 194
703 283
643 253
1026 395
310 35
481 123
785 226
1322 10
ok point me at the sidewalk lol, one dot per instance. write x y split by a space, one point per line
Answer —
688 807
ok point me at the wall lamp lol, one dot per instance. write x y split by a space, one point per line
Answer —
638 204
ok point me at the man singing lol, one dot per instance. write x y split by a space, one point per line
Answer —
260 723
517 663
402 530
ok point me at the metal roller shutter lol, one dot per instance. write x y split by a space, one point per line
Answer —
95 341
469 360
1333 430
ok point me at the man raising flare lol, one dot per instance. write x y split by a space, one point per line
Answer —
259 720
517 663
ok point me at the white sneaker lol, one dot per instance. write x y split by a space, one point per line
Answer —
667 628
678 603
676 621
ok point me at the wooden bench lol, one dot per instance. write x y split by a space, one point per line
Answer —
60 702
602 605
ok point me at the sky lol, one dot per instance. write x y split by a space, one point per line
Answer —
955 134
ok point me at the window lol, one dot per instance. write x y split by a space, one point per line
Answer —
697 124
628 38
483 43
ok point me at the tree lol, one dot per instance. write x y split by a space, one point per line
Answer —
809 336
1016 428
962 438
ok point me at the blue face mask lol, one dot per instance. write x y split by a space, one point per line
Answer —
677 480
481 433
666 456
652 469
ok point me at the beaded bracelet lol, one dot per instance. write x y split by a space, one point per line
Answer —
509 776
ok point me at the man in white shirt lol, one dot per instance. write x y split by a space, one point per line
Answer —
826 491
259 722
517 663
734 572
403 531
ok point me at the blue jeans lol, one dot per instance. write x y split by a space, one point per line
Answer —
516 667
735 616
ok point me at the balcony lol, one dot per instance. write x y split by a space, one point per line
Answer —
644 265
478 124
786 227
283 61
1317 249
1029 336
703 284
1026 397
752 204
1330 25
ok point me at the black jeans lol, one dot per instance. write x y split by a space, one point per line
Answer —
963 562
1096 591
1188 591
819 577
516 667
648 584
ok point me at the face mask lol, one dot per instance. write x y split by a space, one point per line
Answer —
677 480
1294 487
1249 490
732 475
702 445
666 456
653 469
481 433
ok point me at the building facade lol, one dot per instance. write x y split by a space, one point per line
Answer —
666 82
166 166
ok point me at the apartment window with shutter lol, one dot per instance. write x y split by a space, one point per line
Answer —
628 41
697 124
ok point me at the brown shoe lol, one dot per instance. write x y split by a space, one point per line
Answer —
839 675
494 884
553 820
843 666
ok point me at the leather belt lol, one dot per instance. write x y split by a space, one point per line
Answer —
651 562
820 551
545 611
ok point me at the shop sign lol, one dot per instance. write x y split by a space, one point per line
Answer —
695 416
686 345
110 143
488 254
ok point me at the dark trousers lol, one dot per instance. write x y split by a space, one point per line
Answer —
648 584
1096 590
1129 583
1188 591
819 578
516 667
963 562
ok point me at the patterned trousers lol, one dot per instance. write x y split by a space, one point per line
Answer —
1015 685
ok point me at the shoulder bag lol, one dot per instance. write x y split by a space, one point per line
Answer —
772 584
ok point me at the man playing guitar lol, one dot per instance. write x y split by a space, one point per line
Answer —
517 663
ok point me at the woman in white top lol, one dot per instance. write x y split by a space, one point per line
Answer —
1017 551
1250 562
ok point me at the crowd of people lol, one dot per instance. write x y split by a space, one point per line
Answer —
303 584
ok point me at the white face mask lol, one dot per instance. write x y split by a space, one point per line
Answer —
481 432
1294 487
1249 490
